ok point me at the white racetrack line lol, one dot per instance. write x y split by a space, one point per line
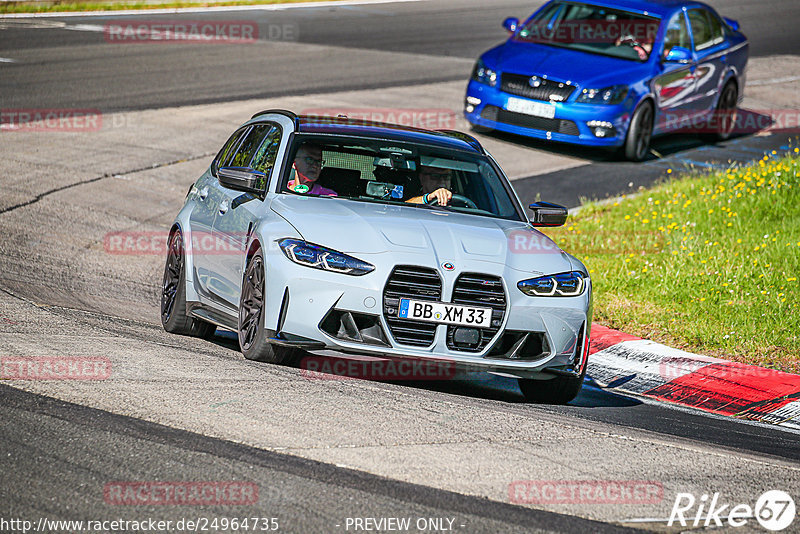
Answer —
215 9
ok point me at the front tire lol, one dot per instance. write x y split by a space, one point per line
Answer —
640 131
173 294
253 337
558 390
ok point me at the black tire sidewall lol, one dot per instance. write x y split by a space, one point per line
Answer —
179 306
260 349
630 146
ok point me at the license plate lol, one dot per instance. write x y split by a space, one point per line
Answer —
441 312
529 107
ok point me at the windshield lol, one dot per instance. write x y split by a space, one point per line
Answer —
594 29
390 172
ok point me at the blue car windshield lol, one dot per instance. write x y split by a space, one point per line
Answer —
594 29
391 172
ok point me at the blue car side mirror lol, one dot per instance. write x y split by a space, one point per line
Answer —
678 54
511 24
733 24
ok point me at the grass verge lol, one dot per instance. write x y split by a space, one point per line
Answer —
708 262
58 7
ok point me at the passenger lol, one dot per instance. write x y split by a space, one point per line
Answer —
436 185
306 169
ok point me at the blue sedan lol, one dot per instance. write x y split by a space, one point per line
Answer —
612 73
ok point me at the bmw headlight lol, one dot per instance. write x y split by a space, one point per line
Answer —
608 95
557 285
483 75
318 257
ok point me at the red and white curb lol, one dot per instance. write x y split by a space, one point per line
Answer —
647 368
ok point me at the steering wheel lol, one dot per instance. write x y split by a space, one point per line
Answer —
629 40
459 198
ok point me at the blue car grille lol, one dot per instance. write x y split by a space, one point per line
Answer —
547 90
479 290
562 126
419 283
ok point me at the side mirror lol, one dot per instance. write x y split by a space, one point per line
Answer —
733 24
678 54
548 214
242 179
511 24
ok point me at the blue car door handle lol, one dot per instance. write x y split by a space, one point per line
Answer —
202 194
223 208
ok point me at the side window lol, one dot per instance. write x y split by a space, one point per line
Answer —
677 34
705 32
249 145
264 159
229 148
717 35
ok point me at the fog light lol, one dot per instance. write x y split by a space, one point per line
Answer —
470 103
602 128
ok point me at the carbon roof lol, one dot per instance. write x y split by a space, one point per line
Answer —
357 127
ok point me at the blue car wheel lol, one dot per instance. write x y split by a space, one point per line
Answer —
637 143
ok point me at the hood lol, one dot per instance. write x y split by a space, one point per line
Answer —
363 228
582 68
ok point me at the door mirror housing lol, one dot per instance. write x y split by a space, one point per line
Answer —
511 24
242 179
678 54
732 24
548 214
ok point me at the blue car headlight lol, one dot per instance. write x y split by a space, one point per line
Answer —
318 257
557 285
483 75
608 95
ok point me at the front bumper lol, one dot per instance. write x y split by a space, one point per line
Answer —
570 125
331 308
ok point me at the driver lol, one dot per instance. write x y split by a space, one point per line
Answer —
306 169
642 47
435 186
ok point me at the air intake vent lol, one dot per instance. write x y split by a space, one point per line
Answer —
479 290
541 89
562 126
419 283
